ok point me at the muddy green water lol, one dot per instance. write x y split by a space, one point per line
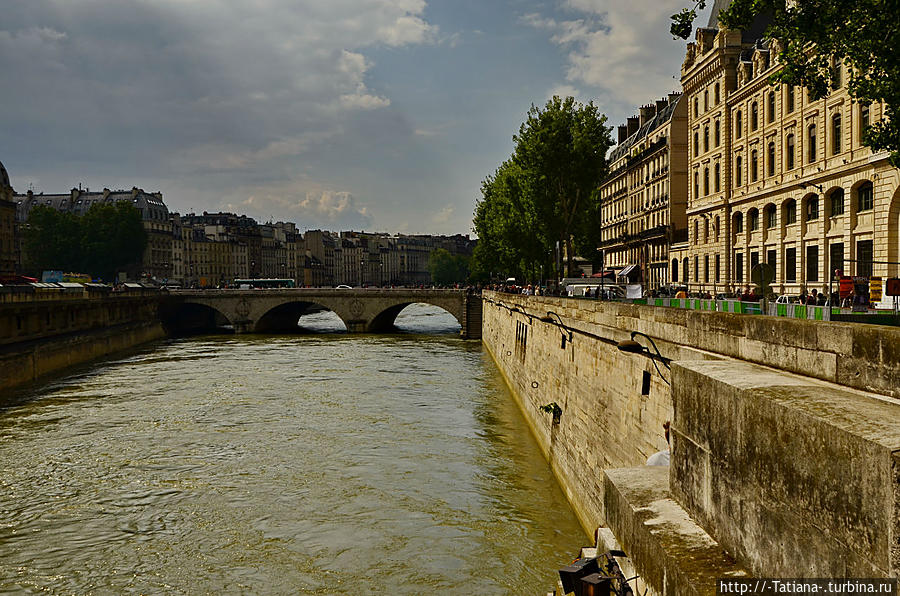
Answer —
307 464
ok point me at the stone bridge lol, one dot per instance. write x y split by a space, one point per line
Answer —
278 310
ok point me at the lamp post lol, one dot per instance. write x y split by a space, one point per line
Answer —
633 347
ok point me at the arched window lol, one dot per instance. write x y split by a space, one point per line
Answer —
863 120
754 116
717 184
791 146
865 199
771 217
738 222
674 270
753 219
811 139
717 134
771 107
738 168
835 134
790 212
836 198
754 164
812 208
738 124
771 158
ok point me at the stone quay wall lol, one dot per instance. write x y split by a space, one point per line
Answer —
785 435
45 331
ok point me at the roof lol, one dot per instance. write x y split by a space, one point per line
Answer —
749 35
4 177
658 120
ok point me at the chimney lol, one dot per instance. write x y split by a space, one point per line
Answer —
673 97
647 113
623 133
661 104
633 125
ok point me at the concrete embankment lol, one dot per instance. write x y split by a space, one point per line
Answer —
785 435
44 332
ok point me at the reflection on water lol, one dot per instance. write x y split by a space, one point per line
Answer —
312 464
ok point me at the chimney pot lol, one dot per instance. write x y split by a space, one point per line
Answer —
623 133
634 123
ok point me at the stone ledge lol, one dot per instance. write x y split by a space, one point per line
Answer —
671 552
794 476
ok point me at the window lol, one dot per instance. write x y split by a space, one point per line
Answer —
836 251
706 138
739 266
696 107
716 94
772 259
696 268
790 212
696 231
754 261
864 258
836 198
754 165
738 124
716 228
717 269
738 222
772 158
771 107
811 136
705 100
863 120
696 143
790 99
812 208
837 78
812 263
738 162
696 184
771 217
790 265
790 152
864 197
706 269
754 116
753 217
835 134
705 230
717 177
674 270
684 269
705 181
718 134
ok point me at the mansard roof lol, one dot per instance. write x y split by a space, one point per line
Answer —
658 120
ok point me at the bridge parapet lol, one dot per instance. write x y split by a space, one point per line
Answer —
361 310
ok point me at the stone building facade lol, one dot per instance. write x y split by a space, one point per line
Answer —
7 225
779 177
643 199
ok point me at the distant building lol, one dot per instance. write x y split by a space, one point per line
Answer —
643 199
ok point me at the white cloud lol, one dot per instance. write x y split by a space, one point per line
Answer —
317 207
444 215
624 49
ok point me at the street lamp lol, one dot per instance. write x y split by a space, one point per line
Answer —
633 347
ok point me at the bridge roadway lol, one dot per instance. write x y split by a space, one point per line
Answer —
369 310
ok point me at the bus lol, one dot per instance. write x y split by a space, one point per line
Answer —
264 283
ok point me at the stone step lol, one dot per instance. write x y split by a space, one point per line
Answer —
672 554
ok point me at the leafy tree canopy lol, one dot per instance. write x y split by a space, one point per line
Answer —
863 34
446 268
546 192
108 239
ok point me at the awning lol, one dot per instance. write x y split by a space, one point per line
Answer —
624 272
608 274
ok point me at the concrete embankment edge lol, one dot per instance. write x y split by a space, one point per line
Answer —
33 360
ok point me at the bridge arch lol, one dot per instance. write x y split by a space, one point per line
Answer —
285 317
194 318
385 321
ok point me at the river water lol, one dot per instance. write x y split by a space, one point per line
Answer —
322 463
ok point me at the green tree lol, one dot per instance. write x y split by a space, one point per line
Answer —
862 34
446 268
561 152
52 240
113 239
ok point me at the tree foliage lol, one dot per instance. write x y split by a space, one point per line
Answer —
446 268
863 34
545 193
108 239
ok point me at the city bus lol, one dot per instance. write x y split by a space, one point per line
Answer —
264 283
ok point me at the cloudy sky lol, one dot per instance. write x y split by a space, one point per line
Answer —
366 114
